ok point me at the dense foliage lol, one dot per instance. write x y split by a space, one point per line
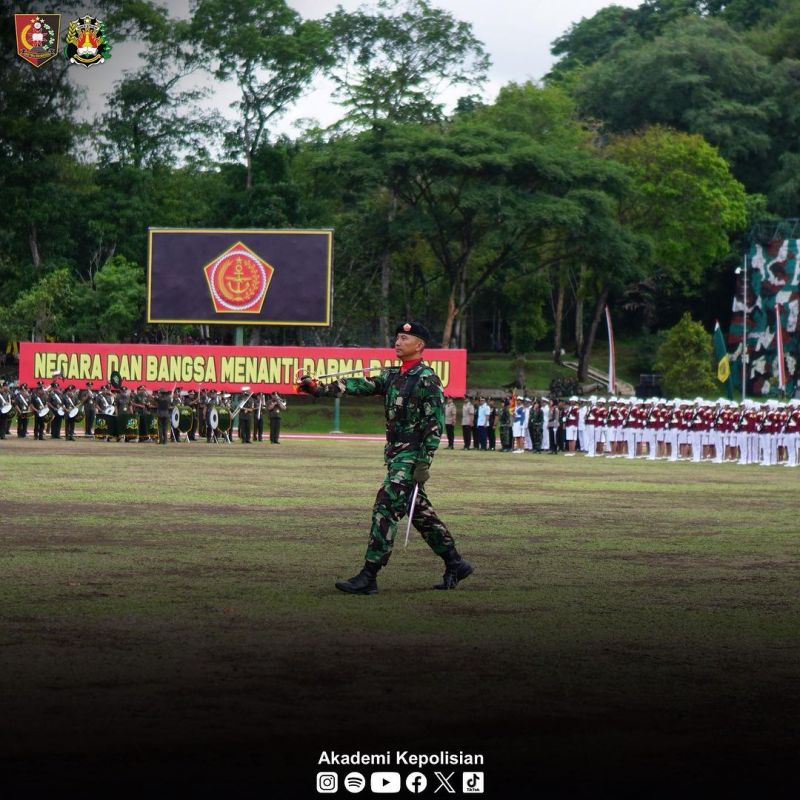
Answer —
627 177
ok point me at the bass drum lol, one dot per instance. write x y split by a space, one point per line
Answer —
105 425
224 416
182 418
128 426
151 420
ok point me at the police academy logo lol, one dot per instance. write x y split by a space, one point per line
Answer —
238 280
37 37
87 42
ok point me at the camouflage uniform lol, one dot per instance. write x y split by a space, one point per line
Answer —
414 406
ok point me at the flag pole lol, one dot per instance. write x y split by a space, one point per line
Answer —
744 331
612 372
779 336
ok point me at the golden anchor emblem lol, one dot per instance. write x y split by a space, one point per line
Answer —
235 284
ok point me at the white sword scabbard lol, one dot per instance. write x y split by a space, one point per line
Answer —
412 506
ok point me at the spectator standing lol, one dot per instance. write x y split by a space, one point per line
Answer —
492 431
467 418
505 426
450 421
482 423
535 426
553 423
518 427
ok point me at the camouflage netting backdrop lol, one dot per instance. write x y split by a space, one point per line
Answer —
773 278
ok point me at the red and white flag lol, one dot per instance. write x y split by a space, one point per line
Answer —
612 360
779 337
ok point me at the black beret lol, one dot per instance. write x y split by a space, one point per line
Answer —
414 329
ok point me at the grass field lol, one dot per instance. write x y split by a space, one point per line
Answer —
169 613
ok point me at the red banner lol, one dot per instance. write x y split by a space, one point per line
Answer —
227 368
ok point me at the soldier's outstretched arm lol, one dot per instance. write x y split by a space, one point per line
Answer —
353 386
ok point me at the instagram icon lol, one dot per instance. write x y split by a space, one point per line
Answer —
327 782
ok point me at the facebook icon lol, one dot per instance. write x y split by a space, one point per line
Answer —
416 782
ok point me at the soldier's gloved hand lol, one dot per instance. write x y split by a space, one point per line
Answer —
422 472
308 385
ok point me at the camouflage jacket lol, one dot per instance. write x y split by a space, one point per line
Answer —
414 425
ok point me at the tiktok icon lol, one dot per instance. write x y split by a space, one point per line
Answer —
472 783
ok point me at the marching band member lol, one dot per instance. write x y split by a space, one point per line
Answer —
38 403
246 419
140 405
56 403
70 405
89 400
5 407
22 402
275 407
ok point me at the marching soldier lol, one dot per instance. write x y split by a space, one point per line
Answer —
139 404
56 403
258 416
275 407
246 420
70 405
413 403
192 401
163 404
89 408
202 412
38 403
22 401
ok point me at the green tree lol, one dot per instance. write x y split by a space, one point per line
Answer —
486 200
685 360
391 62
393 59
269 51
42 311
683 197
699 76
150 122
112 309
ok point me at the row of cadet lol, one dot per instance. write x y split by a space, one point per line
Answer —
120 414
751 432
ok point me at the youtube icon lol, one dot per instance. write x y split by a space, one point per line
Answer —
385 782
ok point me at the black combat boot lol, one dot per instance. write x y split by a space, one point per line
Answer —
455 570
363 583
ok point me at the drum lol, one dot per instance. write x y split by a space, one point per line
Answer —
43 412
74 412
5 408
104 426
220 419
151 420
128 426
185 418
79 416
11 414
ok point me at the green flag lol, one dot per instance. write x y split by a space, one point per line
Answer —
723 363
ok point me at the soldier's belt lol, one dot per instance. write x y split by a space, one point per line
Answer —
403 438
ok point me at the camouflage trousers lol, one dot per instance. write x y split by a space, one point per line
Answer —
391 505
